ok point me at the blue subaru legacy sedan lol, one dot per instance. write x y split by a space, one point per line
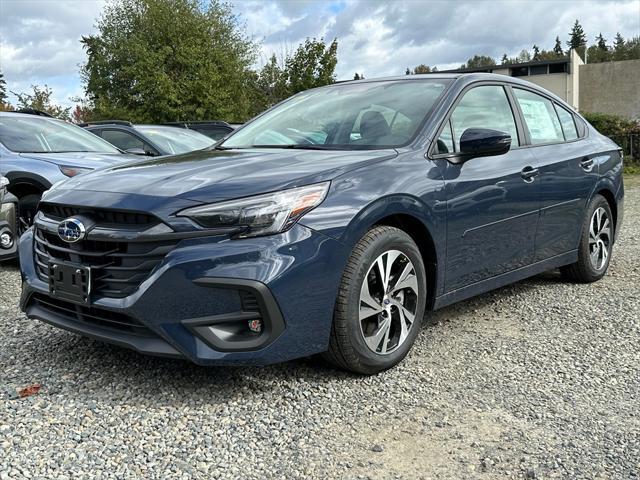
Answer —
329 224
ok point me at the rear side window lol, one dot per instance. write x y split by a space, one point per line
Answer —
568 123
486 106
540 117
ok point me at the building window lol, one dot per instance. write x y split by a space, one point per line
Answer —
538 70
558 68
519 71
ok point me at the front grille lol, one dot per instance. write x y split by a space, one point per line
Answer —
92 316
117 267
102 217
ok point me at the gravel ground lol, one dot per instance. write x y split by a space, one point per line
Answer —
536 380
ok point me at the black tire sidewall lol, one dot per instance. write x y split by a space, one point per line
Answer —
395 240
583 254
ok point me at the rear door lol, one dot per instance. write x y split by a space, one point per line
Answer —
568 173
492 202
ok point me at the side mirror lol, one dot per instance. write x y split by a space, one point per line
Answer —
136 151
483 142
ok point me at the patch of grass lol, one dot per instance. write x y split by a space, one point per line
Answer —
632 169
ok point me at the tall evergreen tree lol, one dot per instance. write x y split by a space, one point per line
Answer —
619 48
557 49
577 39
504 59
3 89
536 53
601 42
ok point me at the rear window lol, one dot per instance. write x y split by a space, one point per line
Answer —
568 124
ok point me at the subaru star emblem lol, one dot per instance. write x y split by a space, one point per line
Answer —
71 230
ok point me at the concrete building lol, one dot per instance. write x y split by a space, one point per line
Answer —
607 87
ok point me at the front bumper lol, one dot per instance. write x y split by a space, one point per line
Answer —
195 304
8 227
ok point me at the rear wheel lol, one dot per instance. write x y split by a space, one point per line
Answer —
380 303
596 243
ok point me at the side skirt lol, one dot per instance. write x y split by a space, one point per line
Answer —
505 279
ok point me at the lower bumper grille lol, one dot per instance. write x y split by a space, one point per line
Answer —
92 316
117 267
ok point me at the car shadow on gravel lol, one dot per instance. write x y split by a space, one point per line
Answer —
111 373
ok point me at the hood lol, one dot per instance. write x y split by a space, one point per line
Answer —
207 176
82 159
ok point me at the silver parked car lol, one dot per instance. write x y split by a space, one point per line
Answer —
7 221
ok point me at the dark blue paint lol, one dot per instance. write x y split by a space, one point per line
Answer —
487 224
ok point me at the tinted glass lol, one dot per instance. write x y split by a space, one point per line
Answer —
33 134
484 107
122 140
540 117
444 144
348 116
568 125
175 140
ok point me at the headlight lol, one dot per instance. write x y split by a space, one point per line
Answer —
261 214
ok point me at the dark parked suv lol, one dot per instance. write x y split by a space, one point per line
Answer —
150 140
329 224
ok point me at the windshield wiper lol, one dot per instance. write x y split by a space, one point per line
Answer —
299 146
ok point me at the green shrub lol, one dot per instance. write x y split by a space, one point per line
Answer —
612 125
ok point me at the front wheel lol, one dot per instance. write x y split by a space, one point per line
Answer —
380 303
27 208
596 243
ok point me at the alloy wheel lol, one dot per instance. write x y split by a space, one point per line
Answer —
599 238
388 302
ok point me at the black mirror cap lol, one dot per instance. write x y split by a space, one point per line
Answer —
484 142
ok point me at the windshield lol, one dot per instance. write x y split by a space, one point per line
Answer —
31 134
350 116
175 140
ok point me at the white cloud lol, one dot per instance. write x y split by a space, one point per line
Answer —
40 39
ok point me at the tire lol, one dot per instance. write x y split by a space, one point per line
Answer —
367 339
27 208
596 237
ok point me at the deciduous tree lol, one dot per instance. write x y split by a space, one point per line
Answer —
40 99
167 60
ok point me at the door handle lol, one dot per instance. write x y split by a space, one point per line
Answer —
529 173
586 164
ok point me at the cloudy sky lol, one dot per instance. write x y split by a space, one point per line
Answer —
39 39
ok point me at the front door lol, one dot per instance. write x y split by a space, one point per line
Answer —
492 202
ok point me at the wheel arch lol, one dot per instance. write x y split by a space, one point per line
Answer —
26 183
611 200
420 234
414 217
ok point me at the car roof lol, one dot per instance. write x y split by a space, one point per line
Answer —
28 115
461 78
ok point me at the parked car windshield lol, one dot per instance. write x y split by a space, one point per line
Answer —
350 116
175 140
32 134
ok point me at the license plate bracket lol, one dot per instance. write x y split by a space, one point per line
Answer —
70 282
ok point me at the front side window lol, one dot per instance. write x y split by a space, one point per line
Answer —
540 117
568 124
486 106
354 116
123 140
32 134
